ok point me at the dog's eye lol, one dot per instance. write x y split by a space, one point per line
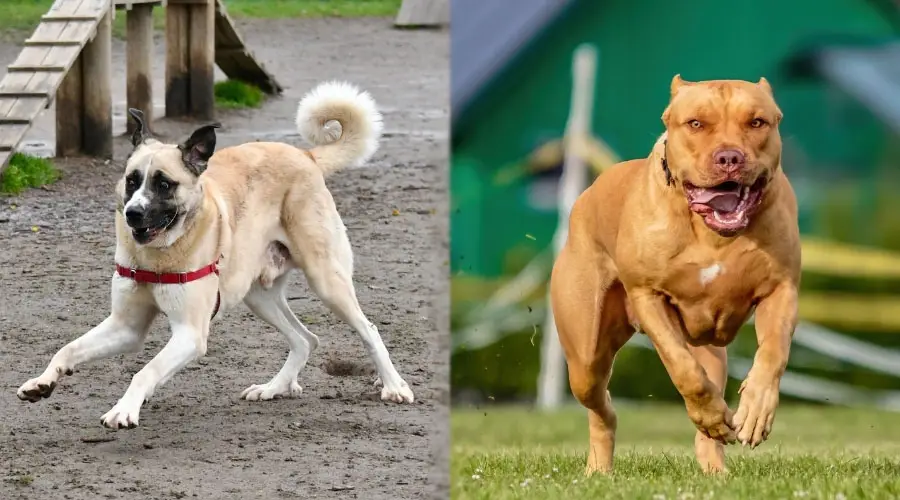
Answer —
757 122
164 186
695 124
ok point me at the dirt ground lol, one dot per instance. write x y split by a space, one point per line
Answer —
197 438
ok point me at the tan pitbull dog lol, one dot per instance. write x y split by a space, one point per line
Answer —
684 245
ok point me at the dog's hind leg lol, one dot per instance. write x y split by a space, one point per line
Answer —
319 245
714 360
123 331
272 307
591 318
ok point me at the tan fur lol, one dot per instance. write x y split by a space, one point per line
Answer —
637 257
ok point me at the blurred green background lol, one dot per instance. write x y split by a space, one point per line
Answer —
841 152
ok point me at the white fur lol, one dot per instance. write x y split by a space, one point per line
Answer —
708 274
140 198
342 123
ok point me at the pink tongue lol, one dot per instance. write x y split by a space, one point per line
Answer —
720 200
724 202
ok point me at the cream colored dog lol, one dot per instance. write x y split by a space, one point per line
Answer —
195 229
683 245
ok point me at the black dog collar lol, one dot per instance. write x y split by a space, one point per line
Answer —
670 180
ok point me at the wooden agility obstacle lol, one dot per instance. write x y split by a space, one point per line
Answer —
423 13
69 58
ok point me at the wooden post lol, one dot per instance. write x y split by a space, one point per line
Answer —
139 86
96 70
190 58
177 60
573 181
69 112
202 46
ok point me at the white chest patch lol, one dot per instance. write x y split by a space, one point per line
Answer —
707 274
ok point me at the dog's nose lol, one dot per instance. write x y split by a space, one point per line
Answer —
729 159
134 217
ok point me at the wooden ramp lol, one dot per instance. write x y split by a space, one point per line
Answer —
233 58
37 73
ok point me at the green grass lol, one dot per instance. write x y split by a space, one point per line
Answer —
24 15
25 172
814 452
234 94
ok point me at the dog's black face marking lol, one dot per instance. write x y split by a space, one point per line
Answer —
158 211
133 181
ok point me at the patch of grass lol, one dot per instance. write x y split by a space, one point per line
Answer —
24 15
25 172
272 9
814 453
23 480
235 94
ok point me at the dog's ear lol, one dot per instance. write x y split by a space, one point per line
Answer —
141 131
677 83
764 85
197 150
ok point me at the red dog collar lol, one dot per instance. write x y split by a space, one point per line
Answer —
142 276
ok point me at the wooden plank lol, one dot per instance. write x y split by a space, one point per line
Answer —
11 135
94 8
52 43
25 110
45 83
15 83
66 7
48 31
6 104
54 18
35 69
202 44
97 67
129 4
16 95
78 31
31 56
235 60
4 159
139 49
177 63
69 112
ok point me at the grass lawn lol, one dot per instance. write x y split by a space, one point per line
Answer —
23 15
813 453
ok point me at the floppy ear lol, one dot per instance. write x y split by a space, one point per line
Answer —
141 131
195 151
764 85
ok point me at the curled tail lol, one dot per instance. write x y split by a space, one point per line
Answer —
342 123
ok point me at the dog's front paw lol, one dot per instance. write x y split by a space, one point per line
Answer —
123 415
272 390
756 411
713 419
398 394
36 389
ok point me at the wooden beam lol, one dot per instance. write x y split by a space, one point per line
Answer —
177 61
139 87
69 112
97 71
202 58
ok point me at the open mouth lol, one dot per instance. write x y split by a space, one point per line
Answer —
145 235
726 208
